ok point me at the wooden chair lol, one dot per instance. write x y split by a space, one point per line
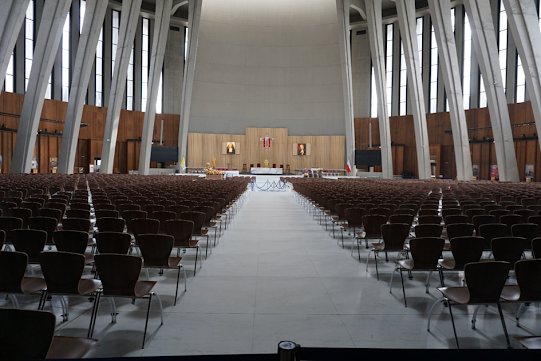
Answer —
29 334
73 241
428 230
394 235
182 230
78 213
198 219
22 213
46 224
12 268
156 250
466 249
119 276
110 224
485 282
107 213
31 242
113 242
63 273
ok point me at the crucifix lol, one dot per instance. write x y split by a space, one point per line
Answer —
266 141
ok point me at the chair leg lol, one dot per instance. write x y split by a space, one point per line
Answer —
160 304
474 317
376 260
185 279
453 322
146 322
427 283
503 325
14 300
94 314
430 313
196 253
42 299
176 291
113 309
442 281
520 312
367 258
392 277
403 289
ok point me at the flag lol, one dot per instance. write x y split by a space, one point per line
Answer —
348 167
182 164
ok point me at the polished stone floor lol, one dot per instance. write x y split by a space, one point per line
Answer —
276 274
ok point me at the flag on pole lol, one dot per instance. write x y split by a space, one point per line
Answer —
348 167
182 164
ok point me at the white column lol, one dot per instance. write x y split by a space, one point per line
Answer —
375 34
194 18
161 29
86 53
440 13
342 11
11 20
47 41
406 21
486 49
128 26
524 25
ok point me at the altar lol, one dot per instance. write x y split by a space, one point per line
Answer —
255 170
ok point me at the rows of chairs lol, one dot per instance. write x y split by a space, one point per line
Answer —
422 221
111 216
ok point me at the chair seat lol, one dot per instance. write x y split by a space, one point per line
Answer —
32 284
89 258
510 293
457 294
530 342
91 242
407 264
87 286
174 262
143 288
70 347
448 264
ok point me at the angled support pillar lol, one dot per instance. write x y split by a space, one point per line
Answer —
342 11
194 18
524 24
11 20
161 29
375 35
86 53
128 26
486 49
407 23
440 13
47 41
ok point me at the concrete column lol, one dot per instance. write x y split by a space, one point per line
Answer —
416 101
11 20
173 66
375 34
86 54
47 41
161 30
361 73
342 12
484 43
440 12
128 25
523 23
194 18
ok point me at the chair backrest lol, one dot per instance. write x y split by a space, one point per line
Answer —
372 225
26 334
33 206
80 205
426 252
466 250
524 214
132 214
76 224
29 241
178 209
498 213
78 213
71 241
8 224
50 212
459 230
22 213
155 249
188 203
145 226
198 219
113 242
394 235
2 238
428 230
46 224
528 274
104 207
381 211
456 218
180 229
354 216
485 280
428 212
490 231
473 212
480 219
107 213
109 224
450 211
163 216
62 271
527 231
402 218
509 220
508 249
429 219
12 269
118 273
150 208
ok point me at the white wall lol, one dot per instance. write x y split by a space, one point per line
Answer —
268 63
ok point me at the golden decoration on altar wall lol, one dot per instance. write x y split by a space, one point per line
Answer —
266 163
214 162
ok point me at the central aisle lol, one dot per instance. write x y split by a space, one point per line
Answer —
277 275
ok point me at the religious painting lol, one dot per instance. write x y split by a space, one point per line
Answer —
230 148
494 171
35 163
53 164
301 149
475 170
529 171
